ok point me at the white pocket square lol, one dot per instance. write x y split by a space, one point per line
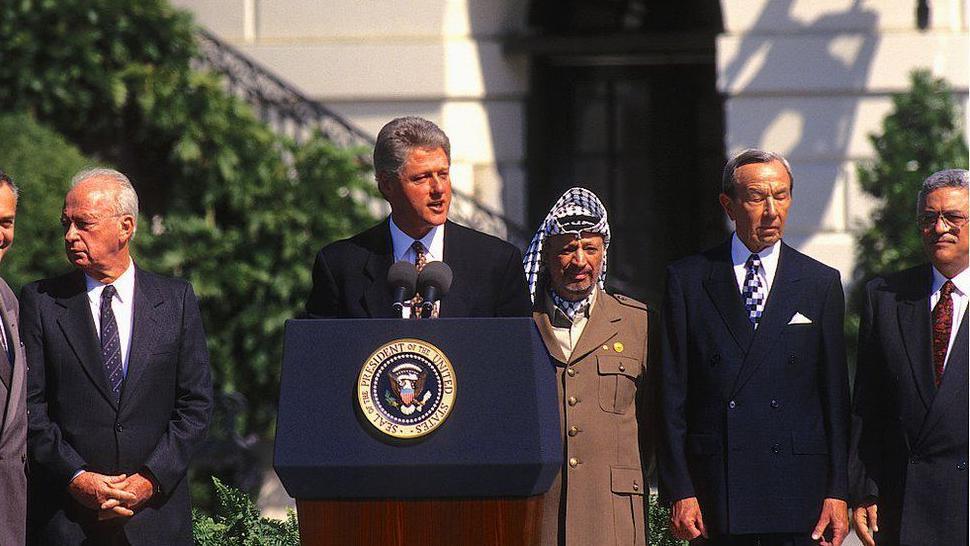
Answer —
799 318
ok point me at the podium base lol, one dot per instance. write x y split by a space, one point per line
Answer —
424 522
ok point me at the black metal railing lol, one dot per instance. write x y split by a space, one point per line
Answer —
296 115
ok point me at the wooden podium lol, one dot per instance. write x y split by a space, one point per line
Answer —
476 479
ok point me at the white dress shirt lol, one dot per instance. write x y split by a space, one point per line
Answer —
122 304
434 251
769 263
962 283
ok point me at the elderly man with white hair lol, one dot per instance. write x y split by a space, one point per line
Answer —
598 342
119 392
909 437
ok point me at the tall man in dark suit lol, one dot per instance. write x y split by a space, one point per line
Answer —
119 391
13 390
754 390
412 158
909 438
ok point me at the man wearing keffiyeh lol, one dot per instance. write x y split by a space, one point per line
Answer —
599 345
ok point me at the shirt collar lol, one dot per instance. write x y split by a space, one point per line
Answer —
433 241
961 281
768 255
124 285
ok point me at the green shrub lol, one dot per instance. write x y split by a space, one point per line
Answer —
658 520
236 521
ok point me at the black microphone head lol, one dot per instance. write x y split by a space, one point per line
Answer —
436 274
403 275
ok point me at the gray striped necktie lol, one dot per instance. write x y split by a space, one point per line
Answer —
111 343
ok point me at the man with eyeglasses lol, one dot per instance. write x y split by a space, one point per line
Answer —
909 440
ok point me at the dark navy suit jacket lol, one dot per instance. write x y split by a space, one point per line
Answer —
754 423
909 439
350 276
75 422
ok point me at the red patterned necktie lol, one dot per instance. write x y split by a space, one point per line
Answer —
420 260
942 322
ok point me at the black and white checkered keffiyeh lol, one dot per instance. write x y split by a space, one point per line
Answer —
578 210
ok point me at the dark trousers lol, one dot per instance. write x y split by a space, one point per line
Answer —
769 539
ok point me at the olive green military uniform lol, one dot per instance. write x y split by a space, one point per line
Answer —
599 496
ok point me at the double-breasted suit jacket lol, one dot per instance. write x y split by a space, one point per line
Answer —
599 495
909 437
13 427
75 422
754 421
350 276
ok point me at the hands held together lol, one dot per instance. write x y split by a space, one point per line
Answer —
112 496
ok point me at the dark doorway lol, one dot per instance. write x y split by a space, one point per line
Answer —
631 112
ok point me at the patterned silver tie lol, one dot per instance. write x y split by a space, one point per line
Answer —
754 290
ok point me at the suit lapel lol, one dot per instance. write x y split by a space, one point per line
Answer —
77 325
377 296
954 381
545 330
16 382
913 313
453 305
722 287
144 331
601 327
782 302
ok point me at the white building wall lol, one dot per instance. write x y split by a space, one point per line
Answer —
373 60
811 79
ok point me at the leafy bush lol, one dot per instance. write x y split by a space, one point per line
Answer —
234 208
41 162
237 521
922 135
658 521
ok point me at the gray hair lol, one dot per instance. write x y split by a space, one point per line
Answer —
5 180
747 157
948 178
400 136
127 201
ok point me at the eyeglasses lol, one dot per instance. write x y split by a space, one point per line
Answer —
952 219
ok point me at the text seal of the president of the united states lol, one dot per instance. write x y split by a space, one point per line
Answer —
406 388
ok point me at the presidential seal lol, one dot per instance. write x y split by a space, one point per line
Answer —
406 388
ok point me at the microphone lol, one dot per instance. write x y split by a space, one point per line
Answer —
434 283
402 277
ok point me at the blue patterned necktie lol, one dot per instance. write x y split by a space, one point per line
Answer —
111 342
754 290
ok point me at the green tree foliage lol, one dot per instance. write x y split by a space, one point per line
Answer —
41 162
234 208
237 521
658 522
922 135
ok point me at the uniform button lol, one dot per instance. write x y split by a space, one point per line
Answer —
775 404
119 427
622 368
574 431
573 462
570 372
732 404
572 401
776 448
636 486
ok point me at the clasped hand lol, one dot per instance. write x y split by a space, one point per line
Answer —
112 496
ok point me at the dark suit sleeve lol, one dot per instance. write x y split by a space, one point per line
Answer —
323 302
514 293
647 395
834 382
45 442
673 474
867 414
193 405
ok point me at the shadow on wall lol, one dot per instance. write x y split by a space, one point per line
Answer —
802 99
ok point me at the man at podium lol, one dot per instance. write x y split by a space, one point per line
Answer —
412 158
599 345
